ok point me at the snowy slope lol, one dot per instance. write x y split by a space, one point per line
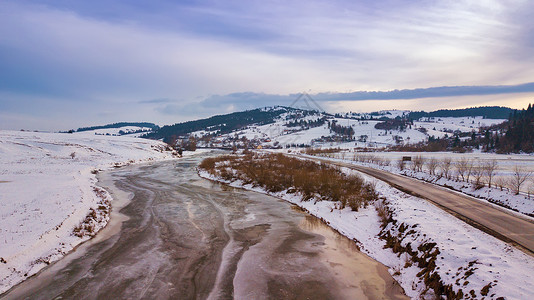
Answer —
392 113
462 124
47 188
131 131
286 126
365 133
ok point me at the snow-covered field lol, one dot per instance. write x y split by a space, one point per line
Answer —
469 260
463 124
47 188
277 132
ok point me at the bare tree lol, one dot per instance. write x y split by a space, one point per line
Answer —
469 171
489 168
446 167
462 167
418 163
477 172
432 166
501 182
413 165
374 159
422 164
519 176
400 164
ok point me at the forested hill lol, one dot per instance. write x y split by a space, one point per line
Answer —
519 136
221 123
119 125
489 112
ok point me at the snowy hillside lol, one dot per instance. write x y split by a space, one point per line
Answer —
132 131
450 124
390 114
47 188
312 128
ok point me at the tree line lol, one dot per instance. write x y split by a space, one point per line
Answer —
119 125
478 173
519 136
489 112
221 124
347 131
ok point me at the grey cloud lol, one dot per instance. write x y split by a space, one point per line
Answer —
251 100
444 91
155 101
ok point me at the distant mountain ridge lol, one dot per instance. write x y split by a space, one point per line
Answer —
119 125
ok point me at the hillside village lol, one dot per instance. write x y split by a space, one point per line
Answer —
284 127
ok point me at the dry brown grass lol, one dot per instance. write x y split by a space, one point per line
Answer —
95 216
277 172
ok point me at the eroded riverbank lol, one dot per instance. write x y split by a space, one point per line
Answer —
184 237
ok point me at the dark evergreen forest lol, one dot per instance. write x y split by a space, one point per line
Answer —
220 124
119 125
519 136
488 112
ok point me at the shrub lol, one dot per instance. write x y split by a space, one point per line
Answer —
277 172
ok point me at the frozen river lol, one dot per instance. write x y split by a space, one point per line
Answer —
174 235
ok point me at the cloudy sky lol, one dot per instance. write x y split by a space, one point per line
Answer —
69 63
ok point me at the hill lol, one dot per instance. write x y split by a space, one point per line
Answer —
48 188
221 124
279 126
276 127
121 128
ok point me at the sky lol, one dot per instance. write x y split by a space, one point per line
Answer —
67 63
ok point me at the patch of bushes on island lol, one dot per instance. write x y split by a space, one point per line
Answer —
277 173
